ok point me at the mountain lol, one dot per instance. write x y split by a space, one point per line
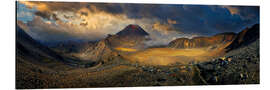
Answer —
199 42
245 37
132 30
132 36
29 49
227 41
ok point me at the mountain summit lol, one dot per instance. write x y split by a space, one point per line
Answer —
132 29
132 36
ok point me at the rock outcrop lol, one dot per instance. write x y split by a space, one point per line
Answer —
100 52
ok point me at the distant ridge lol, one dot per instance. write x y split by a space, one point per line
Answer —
229 39
198 42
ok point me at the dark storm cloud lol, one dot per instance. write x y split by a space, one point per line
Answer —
45 15
202 19
107 7
198 19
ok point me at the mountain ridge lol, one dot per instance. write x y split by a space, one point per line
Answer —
198 42
233 40
30 50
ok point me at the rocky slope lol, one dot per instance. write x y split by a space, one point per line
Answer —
239 66
99 52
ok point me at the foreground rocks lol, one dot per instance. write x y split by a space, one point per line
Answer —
237 67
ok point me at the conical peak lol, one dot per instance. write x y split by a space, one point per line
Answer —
133 26
132 29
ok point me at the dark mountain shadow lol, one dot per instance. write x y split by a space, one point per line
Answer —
28 49
245 37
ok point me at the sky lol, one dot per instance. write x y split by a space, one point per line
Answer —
83 21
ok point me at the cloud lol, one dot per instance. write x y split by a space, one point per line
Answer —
40 6
88 23
171 21
244 12
233 10
24 14
81 19
54 6
165 28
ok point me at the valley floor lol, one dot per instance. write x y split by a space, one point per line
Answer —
168 56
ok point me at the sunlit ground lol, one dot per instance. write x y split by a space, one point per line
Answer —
166 56
125 49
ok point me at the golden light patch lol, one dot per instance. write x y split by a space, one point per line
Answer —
125 49
167 56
